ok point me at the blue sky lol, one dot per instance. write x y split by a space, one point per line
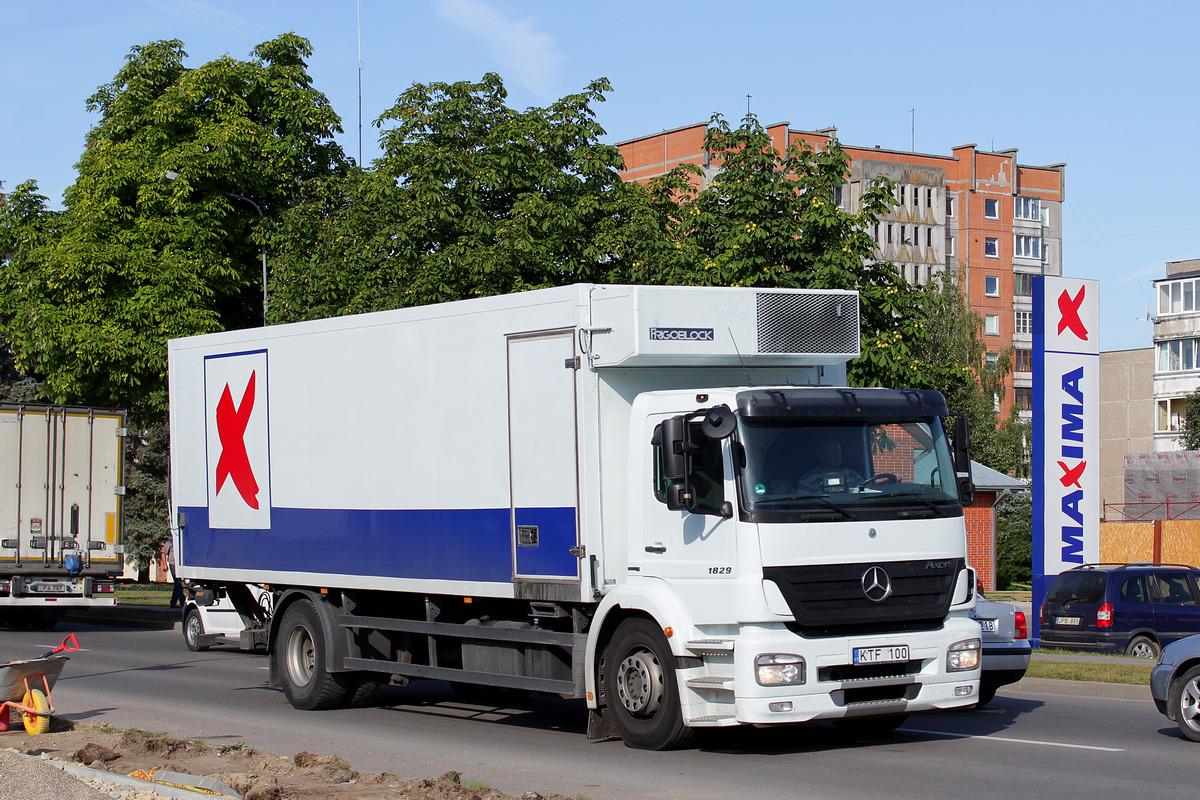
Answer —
1107 88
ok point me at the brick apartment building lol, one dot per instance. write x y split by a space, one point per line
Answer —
981 215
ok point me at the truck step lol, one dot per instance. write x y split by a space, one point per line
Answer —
713 720
710 645
711 683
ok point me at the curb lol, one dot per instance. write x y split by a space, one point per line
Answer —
160 789
1120 691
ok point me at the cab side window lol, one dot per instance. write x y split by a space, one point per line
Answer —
707 476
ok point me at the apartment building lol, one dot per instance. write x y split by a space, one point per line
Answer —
1176 349
994 222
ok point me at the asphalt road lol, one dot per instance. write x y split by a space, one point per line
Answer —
1036 740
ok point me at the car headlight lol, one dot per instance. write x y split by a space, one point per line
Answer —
963 656
779 669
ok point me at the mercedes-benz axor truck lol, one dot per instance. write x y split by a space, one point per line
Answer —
661 500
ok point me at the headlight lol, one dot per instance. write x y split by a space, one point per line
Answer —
963 656
779 669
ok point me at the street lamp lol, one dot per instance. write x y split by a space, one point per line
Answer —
170 175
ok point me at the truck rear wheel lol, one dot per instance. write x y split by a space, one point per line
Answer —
193 629
300 661
641 689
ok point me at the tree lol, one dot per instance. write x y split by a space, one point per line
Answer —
137 258
1014 539
469 198
957 365
770 219
1189 433
153 244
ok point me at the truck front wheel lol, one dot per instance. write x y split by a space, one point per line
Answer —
641 689
300 661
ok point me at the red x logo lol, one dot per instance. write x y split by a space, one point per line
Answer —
231 427
1071 476
1069 308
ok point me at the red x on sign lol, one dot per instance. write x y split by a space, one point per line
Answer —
235 461
1072 475
1068 307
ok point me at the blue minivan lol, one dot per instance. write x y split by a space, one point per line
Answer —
1130 609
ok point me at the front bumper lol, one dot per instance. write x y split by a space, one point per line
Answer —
834 687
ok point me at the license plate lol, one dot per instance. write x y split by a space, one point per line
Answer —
1066 620
881 655
52 588
987 625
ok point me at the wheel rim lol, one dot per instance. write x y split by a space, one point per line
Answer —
640 683
1189 704
1142 650
36 724
301 656
193 629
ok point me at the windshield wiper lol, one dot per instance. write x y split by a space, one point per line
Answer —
818 497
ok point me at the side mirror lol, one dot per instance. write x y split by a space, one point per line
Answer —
962 459
718 422
677 497
674 449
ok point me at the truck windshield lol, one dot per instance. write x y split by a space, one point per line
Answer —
807 470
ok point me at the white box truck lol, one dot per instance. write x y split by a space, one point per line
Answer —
662 500
61 487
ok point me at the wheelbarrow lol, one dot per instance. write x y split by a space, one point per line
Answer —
25 686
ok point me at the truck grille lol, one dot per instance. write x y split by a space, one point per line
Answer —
828 600
807 323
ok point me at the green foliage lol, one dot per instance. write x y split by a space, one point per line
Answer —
147 492
469 198
1014 539
90 296
1189 434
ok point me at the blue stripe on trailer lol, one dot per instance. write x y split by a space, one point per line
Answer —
429 544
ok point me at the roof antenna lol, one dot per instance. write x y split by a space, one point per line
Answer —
741 360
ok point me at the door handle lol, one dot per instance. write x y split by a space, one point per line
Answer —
657 547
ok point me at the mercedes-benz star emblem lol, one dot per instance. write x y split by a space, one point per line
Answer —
877 584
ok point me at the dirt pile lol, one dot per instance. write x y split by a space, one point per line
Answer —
252 773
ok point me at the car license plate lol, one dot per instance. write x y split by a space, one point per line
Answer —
881 655
1066 620
52 588
987 625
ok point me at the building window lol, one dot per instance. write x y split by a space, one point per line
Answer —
903 189
889 233
1027 208
1027 246
949 207
1023 322
991 208
1023 285
929 198
991 285
1180 355
837 195
1169 416
991 247
929 237
1023 398
949 245
1022 361
1178 297
992 358
991 324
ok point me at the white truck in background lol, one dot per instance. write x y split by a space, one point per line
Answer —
61 487
614 493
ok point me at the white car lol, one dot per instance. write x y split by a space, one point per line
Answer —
1006 648
210 618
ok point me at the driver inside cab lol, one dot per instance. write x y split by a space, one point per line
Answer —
830 474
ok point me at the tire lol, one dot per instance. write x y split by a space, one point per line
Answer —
1184 700
870 727
36 723
362 689
193 629
641 688
300 661
987 693
1142 647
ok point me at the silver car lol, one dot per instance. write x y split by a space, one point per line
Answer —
1006 648
1175 685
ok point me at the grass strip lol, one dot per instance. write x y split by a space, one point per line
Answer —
1090 671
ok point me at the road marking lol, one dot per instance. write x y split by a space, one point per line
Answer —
1038 742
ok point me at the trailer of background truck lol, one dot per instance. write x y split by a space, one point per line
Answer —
605 492
61 486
